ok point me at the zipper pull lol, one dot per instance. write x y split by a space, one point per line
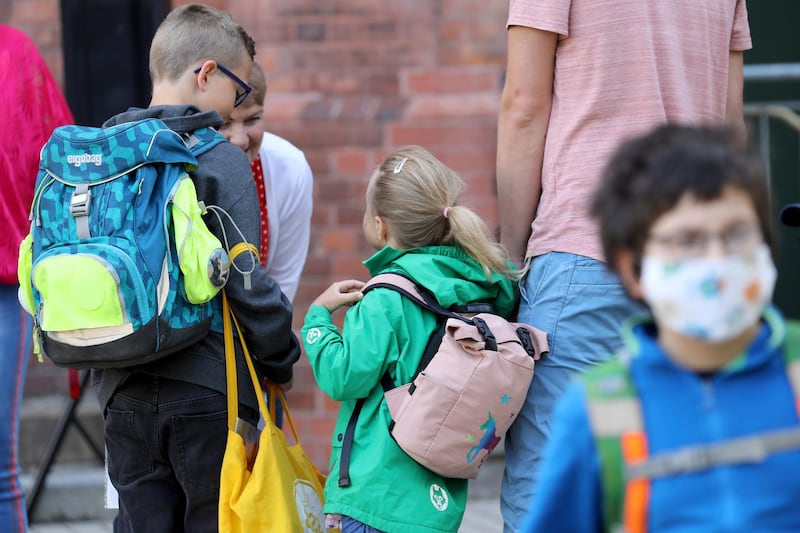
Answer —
37 342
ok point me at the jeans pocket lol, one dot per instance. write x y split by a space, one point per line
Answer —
128 454
200 440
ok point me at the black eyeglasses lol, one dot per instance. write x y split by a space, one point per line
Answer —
240 96
739 238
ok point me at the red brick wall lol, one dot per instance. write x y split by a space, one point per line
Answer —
41 20
349 80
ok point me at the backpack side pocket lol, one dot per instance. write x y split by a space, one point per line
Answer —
202 260
24 265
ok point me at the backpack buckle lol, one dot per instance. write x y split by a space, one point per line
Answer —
688 460
80 202
527 343
488 337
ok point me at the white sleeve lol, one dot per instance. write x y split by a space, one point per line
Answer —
289 204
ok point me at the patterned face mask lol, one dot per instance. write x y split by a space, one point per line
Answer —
713 299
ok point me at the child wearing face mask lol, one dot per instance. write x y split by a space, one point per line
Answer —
694 425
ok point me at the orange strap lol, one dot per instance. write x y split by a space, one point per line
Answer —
637 491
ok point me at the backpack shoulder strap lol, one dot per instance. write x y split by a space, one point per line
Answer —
415 293
615 416
426 300
409 289
202 140
791 355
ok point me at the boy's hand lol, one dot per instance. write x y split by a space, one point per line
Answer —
286 387
341 293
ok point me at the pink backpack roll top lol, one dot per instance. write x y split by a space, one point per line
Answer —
469 386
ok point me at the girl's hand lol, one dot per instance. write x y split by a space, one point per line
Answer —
341 293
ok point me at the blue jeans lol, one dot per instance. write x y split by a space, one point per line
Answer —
351 525
15 338
581 305
165 441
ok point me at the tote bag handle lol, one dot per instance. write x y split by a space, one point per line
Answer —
275 391
230 366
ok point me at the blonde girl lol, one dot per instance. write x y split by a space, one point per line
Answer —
414 221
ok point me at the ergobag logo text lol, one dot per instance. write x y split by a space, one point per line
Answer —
119 268
78 160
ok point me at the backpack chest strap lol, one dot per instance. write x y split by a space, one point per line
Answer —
752 449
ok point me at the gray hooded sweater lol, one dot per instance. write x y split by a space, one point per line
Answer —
223 178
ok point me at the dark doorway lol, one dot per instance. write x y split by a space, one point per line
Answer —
106 48
773 26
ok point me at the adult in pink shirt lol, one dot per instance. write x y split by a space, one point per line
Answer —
582 76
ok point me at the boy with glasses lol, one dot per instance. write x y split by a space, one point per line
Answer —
694 425
166 422
241 96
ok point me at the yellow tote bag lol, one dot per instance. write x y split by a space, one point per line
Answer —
267 485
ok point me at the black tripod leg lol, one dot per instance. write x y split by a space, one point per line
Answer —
32 496
98 452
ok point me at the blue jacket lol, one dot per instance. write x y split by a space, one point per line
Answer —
751 395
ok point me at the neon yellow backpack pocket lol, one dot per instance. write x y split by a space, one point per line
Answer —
77 292
24 265
202 260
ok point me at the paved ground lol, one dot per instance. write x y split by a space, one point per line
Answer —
70 492
482 516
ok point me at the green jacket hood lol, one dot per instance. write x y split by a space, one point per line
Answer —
449 273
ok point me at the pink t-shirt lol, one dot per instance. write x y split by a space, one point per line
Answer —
622 66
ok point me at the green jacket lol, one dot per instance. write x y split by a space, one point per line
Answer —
386 331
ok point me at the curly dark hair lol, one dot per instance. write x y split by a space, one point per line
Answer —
648 175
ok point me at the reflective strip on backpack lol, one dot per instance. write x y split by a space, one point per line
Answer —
690 459
611 417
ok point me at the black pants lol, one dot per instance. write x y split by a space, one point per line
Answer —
165 441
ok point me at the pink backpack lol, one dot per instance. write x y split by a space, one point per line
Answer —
469 386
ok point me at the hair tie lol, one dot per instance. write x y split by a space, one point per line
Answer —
446 212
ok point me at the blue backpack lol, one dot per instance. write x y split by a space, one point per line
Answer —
119 268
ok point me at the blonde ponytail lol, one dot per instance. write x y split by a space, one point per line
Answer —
468 231
417 195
